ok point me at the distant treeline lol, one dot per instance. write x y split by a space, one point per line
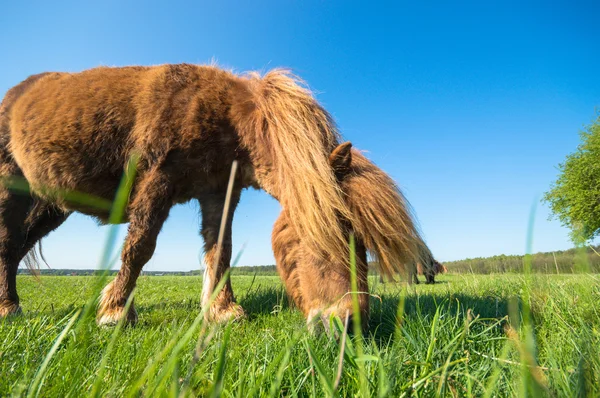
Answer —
256 269
559 262
88 272
242 270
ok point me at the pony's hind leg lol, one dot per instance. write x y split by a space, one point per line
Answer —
147 213
224 307
23 222
13 212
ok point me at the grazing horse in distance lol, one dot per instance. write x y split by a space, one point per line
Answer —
185 125
430 270
426 265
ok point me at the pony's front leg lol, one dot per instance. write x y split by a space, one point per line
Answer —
335 295
224 307
147 213
320 287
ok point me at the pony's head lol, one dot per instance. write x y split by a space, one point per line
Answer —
440 268
380 222
432 269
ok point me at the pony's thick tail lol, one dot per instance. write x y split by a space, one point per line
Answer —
382 218
32 259
290 136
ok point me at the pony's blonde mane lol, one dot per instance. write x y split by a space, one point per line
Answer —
290 137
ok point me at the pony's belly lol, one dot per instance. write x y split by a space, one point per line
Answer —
68 178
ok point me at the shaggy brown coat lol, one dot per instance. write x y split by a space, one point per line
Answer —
66 132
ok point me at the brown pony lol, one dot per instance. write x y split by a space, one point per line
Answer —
65 132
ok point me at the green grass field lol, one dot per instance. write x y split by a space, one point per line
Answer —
468 335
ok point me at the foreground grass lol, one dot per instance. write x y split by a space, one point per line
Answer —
466 336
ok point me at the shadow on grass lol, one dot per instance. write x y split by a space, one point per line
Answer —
256 301
260 301
183 305
382 323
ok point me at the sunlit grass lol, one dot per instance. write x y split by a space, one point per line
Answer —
452 340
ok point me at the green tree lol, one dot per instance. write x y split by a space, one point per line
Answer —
575 196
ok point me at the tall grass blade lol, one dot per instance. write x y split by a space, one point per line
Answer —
36 385
217 386
177 342
276 384
107 353
326 381
356 320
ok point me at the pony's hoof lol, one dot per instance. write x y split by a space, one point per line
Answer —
320 321
316 322
111 317
110 312
329 321
9 309
232 312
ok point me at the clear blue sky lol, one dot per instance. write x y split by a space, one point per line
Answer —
470 108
